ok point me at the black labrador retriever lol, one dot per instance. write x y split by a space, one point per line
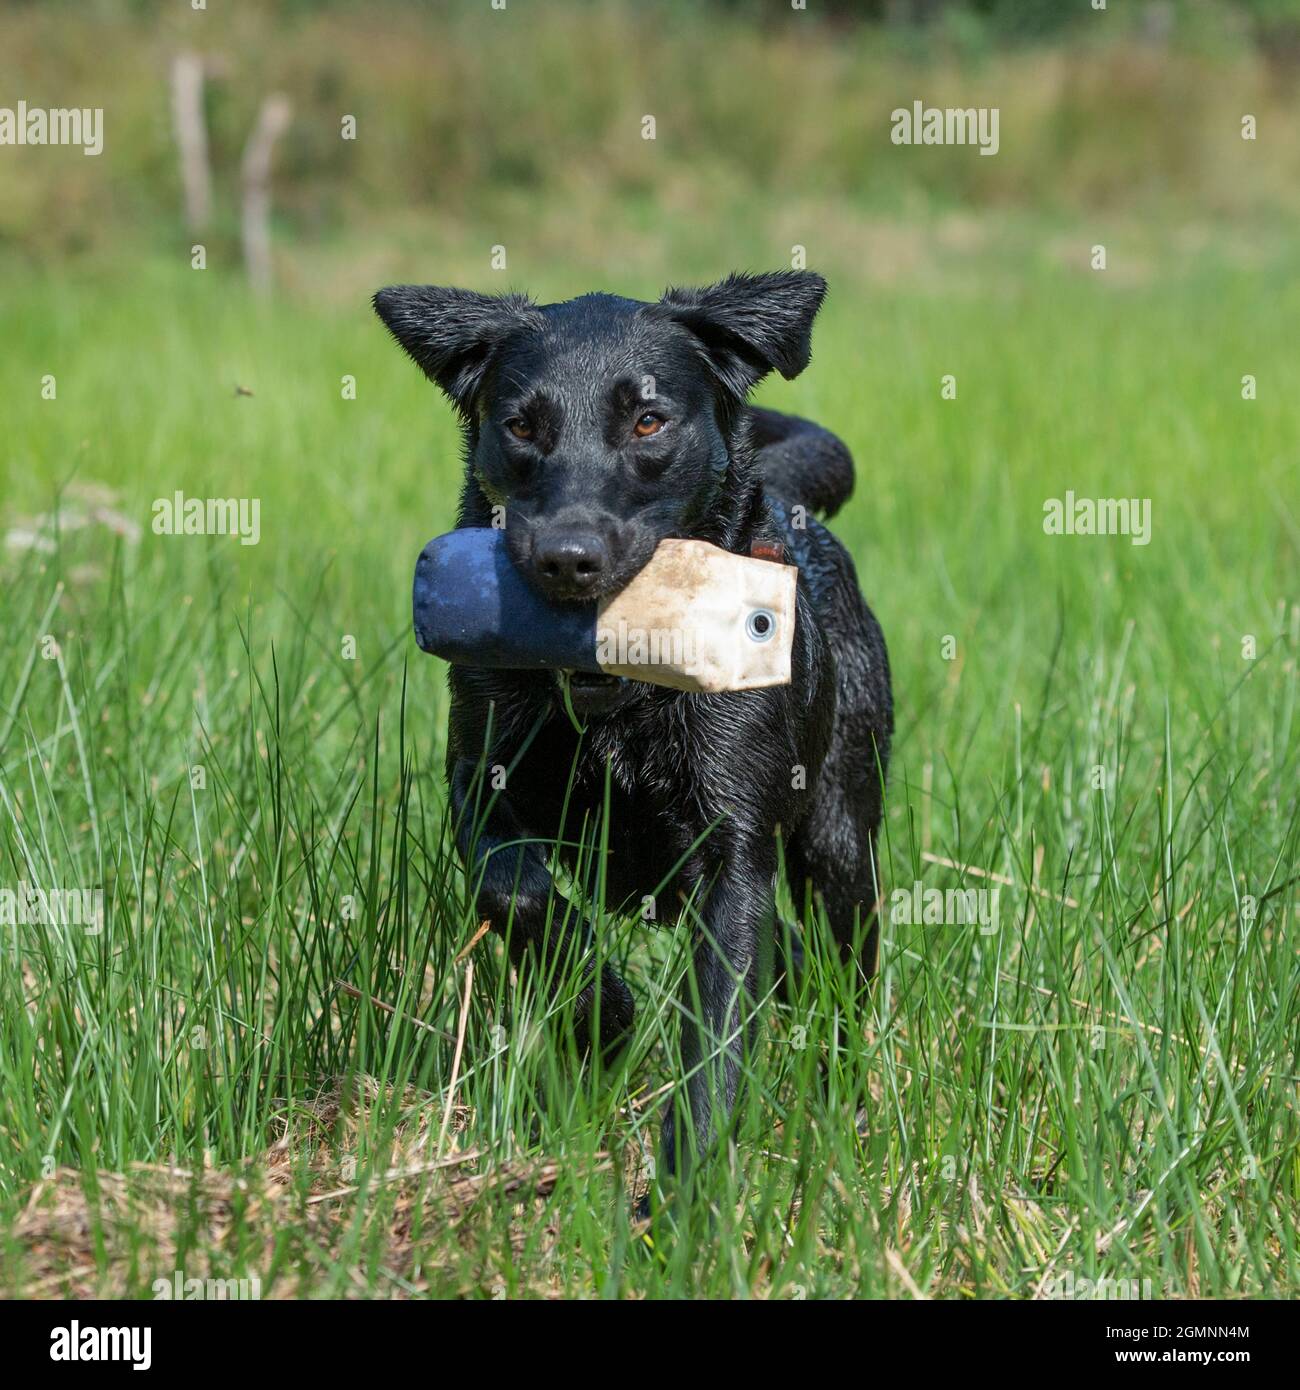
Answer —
596 428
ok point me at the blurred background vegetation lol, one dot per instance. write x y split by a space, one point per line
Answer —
480 129
471 125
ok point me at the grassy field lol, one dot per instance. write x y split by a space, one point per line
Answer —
290 1055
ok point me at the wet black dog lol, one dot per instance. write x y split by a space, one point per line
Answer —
601 426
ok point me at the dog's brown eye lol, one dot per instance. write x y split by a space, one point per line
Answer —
647 425
519 428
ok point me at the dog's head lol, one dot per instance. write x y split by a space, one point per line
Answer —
602 425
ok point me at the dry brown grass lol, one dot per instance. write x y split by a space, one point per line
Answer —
110 1237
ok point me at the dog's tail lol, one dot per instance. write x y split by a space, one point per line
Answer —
801 463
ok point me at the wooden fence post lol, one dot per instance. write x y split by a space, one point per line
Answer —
192 138
255 171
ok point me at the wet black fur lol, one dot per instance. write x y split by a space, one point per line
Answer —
574 377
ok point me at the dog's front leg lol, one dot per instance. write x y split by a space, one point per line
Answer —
730 958
515 894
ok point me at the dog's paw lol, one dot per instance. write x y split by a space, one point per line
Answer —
617 1012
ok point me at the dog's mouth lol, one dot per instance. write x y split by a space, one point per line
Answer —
592 693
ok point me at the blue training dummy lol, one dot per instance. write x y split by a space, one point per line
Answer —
695 618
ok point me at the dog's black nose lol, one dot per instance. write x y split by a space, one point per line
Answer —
570 563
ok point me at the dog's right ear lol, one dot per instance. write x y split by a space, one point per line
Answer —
452 334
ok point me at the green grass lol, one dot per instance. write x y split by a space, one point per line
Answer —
1105 1087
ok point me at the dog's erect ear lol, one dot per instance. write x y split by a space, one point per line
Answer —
452 334
752 324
